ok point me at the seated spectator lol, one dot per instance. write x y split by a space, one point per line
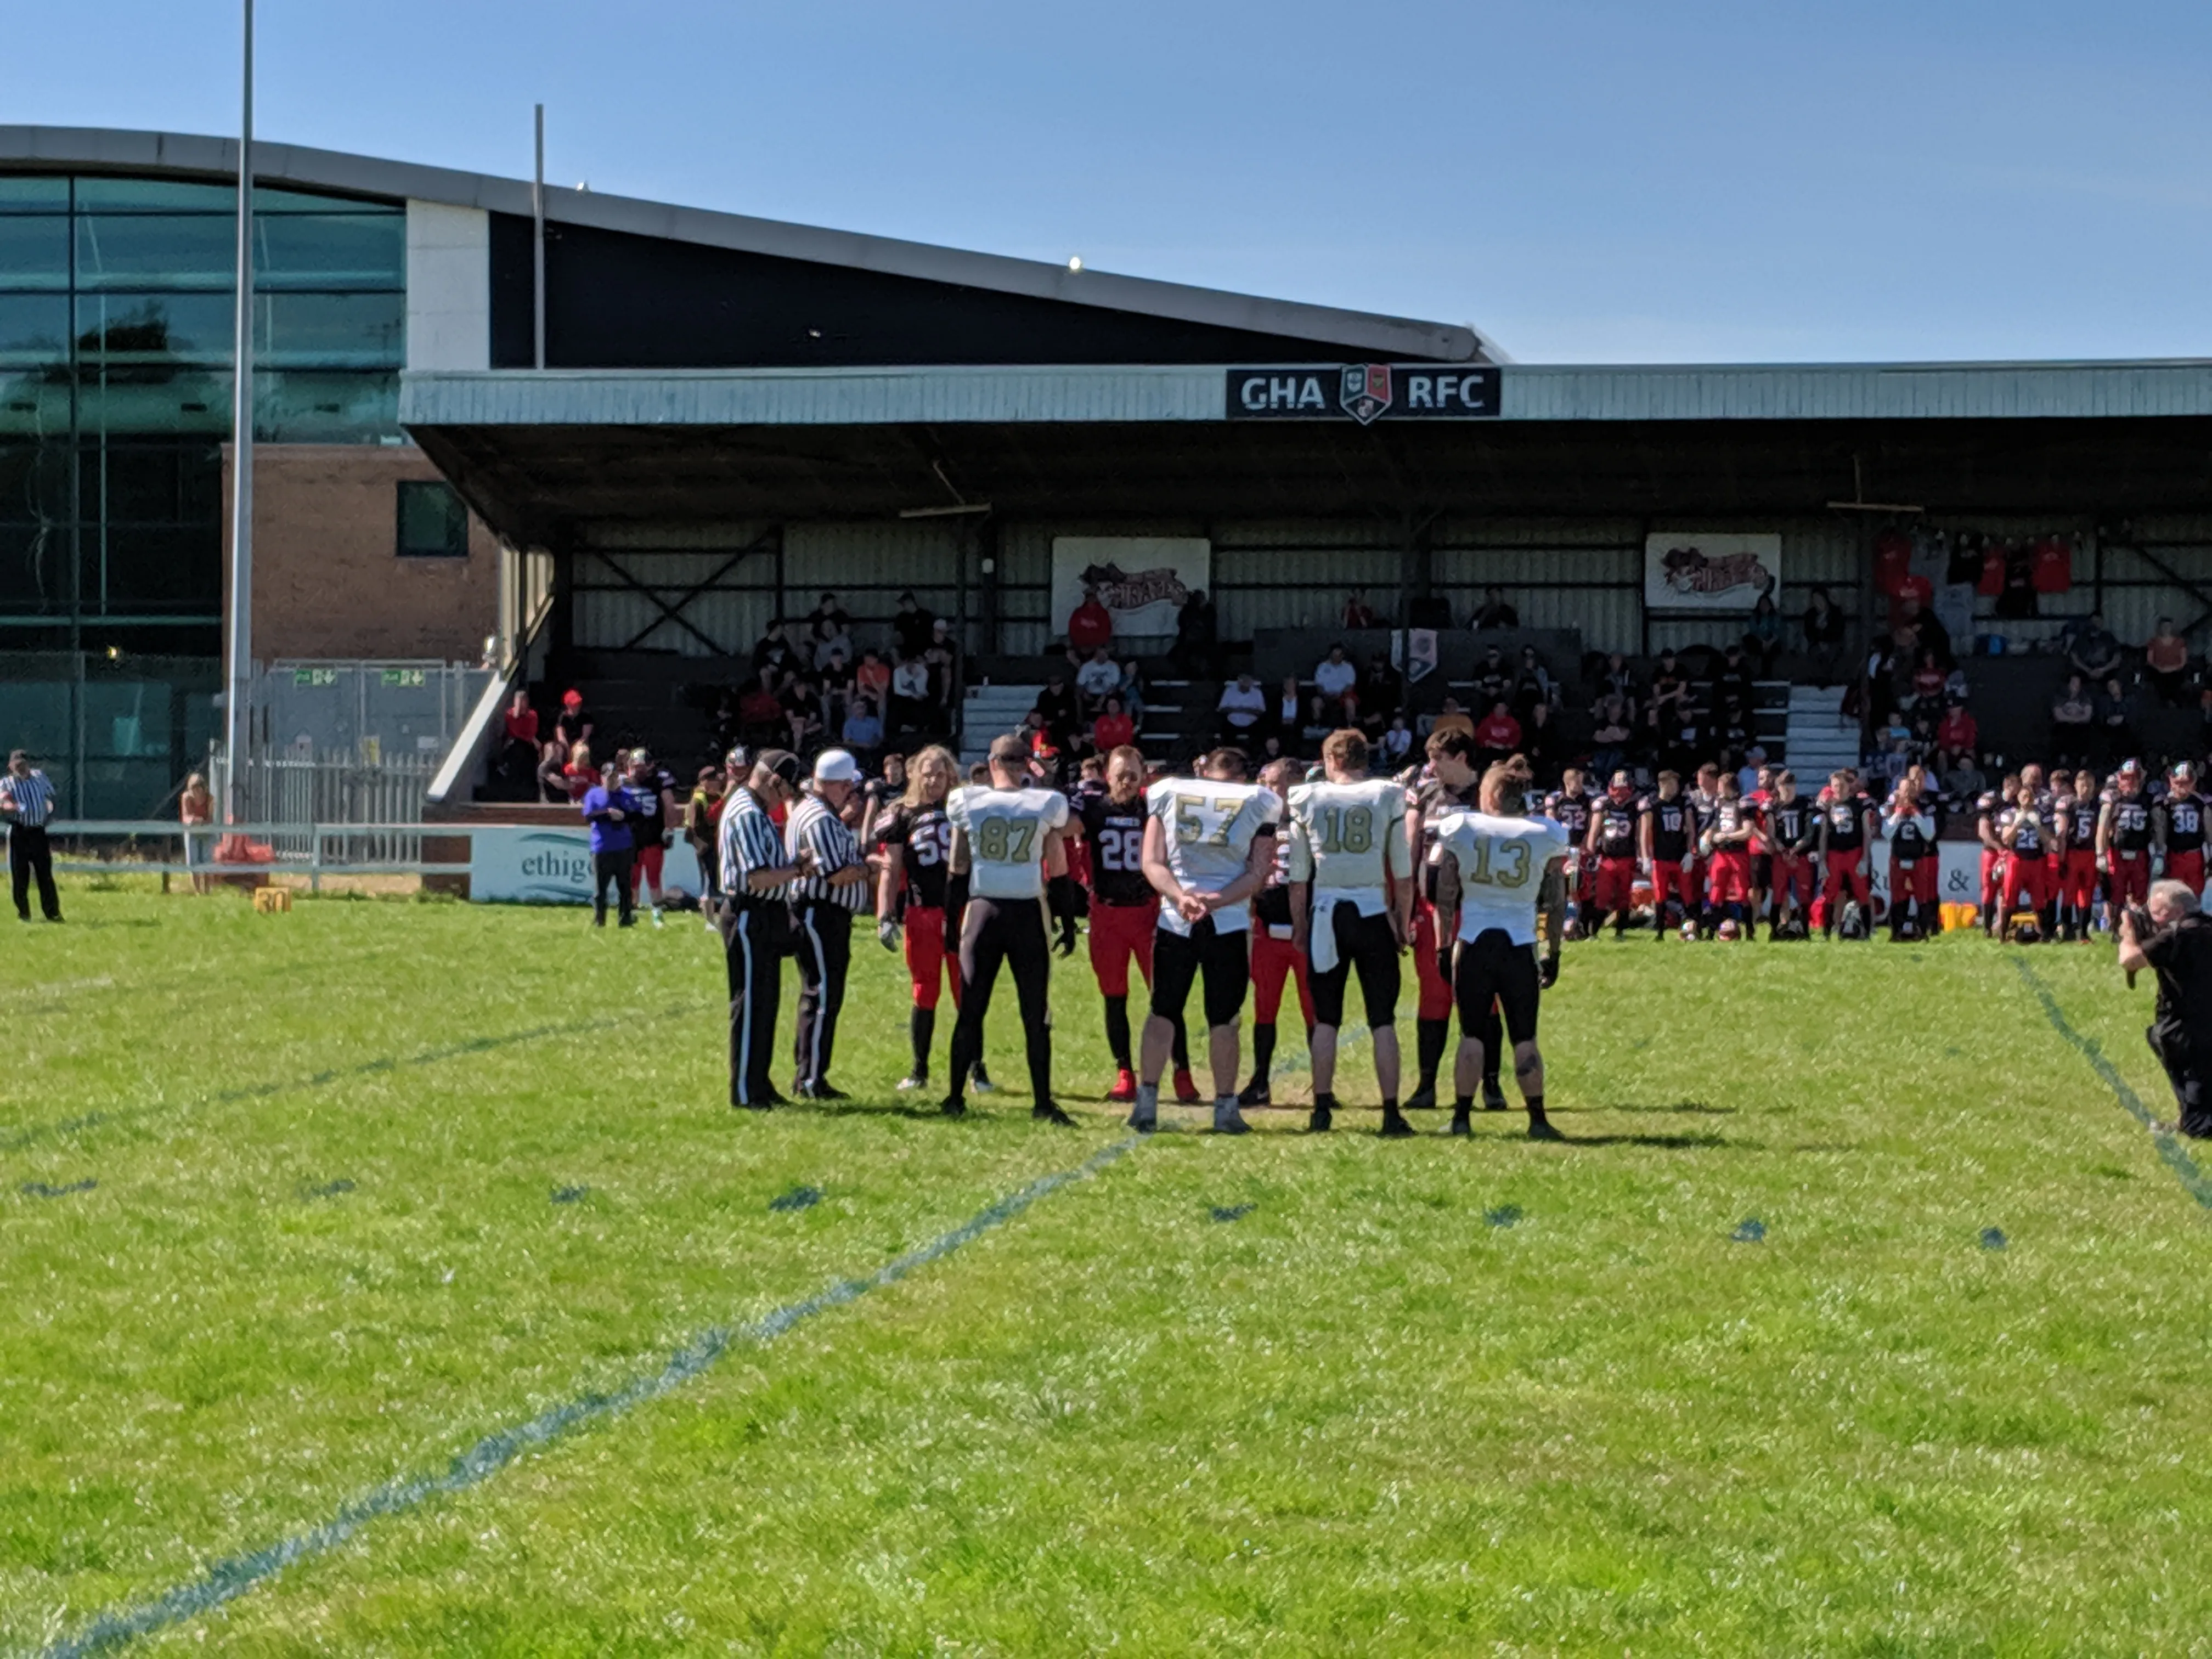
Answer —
2165 655
909 706
835 648
1618 680
942 657
1929 633
804 715
2116 721
1498 735
1532 684
1963 779
1957 732
1056 703
828 621
1669 700
863 730
518 759
1089 626
776 649
1928 681
1539 738
580 776
1131 690
552 771
1763 639
1356 612
1495 612
1381 693
872 678
1098 680
1823 627
1955 686
761 723
1613 737
1492 680
1333 677
2072 713
2096 655
910 626
1243 709
1290 718
1732 686
1452 718
1198 637
573 724
835 682
1397 742
1113 728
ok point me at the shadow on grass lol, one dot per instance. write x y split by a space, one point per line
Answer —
1669 1143
1697 1107
15 1139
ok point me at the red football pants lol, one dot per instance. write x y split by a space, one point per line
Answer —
646 867
926 963
1793 875
2026 880
1669 878
2131 878
1614 884
1916 882
2188 868
1275 960
1121 934
2077 882
1847 870
1728 880
1993 875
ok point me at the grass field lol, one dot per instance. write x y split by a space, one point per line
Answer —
1859 1315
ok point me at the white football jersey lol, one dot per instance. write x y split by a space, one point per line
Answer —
1209 828
1006 831
1501 870
1344 836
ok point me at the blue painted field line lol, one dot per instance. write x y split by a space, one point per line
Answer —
2169 1146
233 1576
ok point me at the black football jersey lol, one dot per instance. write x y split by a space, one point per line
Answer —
2131 823
1789 824
1116 838
2184 823
1616 829
1730 815
1846 824
1435 803
2082 823
2029 843
1572 812
1909 836
1674 825
923 838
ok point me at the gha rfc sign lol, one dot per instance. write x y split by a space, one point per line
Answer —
1366 393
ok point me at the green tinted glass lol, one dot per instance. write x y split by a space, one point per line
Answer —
155 250
153 196
350 251
44 194
154 328
330 330
34 329
155 400
307 406
34 252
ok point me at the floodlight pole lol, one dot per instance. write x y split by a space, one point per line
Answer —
538 250
237 711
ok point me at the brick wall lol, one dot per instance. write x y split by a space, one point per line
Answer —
326 580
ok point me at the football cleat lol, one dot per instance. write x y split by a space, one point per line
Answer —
1125 1087
1318 1122
1541 1128
917 1080
1045 1112
1228 1121
1186 1088
1145 1115
1395 1127
980 1081
1255 1093
1423 1099
1462 1121
954 1109
1493 1095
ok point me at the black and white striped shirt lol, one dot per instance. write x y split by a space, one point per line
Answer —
28 800
749 842
814 825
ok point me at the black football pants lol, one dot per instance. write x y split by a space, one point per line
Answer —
1011 932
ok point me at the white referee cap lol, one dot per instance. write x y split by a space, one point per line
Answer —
837 766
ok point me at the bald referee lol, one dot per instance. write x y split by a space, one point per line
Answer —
822 903
756 920
27 802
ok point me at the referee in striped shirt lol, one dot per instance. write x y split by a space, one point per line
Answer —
27 802
823 904
756 920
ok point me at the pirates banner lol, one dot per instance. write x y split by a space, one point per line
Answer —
1365 393
1711 572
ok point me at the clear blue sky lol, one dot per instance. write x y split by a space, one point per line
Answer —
1585 180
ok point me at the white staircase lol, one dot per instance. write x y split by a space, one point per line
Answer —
992 711
1820 738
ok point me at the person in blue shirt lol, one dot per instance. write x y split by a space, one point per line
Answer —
609 810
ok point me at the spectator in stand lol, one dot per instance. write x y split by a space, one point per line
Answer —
1929 633
1243 709
1617 679
1929 681
863 730
910 626
1957 733
1963 781
518 755
1382 694
1357 611
2095 655
1090 627
579 777
1290 712
2116 721
1056 704
1492 680
836 683
1532 684
1397 742
1113 729
2073 713
1539 740
829 621
760 711
942 655
1498 735
909 696
1452 718
1333 677
804 716
1495 612
1613 737
2165 655
1823 627
1131 690
1732 687
573 724
872 678
1095 681
776 651
1669 700
1763 639
1198 637
552 772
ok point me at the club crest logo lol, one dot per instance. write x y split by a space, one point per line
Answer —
1366 392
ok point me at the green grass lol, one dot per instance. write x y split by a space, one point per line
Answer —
1422 1397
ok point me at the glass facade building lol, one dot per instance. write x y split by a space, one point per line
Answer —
117 297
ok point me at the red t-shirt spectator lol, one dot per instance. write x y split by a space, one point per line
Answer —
2052 570
581 781
1892 561
1112 730
1919 587
1956 731
1357 614
1993 572
1498 730
1089 626
523 727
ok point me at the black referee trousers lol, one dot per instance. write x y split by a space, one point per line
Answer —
29 854
823 942
754 939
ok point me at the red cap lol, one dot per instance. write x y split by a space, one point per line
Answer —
572 698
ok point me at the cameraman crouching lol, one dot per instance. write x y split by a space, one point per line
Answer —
2174 940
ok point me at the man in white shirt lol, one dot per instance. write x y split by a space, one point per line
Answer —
1500 867
1209 843
1006 842
1333 677
1242 705
1352 901
1097 679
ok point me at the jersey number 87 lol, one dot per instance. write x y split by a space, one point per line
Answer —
1004 841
